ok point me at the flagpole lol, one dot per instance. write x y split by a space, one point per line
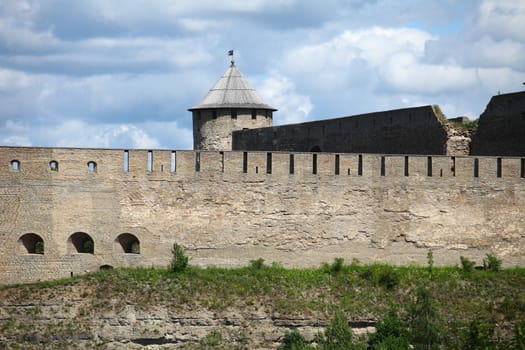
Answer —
230 53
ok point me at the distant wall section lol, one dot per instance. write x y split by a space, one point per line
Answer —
501 128
419 130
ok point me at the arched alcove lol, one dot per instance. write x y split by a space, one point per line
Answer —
80 242
31 243
129 243
92 166
105 267
53 165
15 164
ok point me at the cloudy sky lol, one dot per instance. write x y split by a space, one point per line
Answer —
122 73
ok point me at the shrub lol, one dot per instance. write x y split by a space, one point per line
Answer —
39 247
338 264
479 335
466 264
388 278
212 339
335 267
179 262
337 335
491 263
430 260
257 264
390 334
424 323
89 246
519 335
293 340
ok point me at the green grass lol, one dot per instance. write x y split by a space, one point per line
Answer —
361 291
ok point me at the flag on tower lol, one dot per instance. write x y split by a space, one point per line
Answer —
230 53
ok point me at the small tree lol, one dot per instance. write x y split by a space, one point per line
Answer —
39 247
180 261
424 323
293 340
466 264
492 263
430 260
337 335
391 334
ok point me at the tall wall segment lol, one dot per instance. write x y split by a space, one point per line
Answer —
227 208
418 130
501 129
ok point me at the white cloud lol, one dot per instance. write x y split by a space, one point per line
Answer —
277 90
403 73
502 19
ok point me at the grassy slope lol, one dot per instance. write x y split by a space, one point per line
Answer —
362 292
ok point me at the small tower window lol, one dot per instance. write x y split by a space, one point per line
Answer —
92 166
53 165
214 113
15 164
234 114
254 114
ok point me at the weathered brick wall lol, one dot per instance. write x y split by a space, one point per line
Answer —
418 130
227 208
501 129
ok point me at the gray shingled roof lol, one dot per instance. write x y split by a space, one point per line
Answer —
232 91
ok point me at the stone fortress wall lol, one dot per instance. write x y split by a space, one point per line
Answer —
227 208
501 129
419 130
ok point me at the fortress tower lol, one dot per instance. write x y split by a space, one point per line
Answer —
231 104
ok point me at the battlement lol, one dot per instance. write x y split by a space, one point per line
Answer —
37 163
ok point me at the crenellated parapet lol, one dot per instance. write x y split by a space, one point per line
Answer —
78 164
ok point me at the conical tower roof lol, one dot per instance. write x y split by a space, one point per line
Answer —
232 90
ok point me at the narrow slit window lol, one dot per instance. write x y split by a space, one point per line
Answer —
336 170
476 167
245 162
360 165
268 163
498 170
92 166
522 168
53 165
314 163
429 166
406 166
197 161
150 161
453 166
15 164
222 161
292 164
173 161
126 161
383 170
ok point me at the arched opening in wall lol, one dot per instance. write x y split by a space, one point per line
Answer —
31 243
105 267
92 166
315 149
15 164
129 243
80 242
53 165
